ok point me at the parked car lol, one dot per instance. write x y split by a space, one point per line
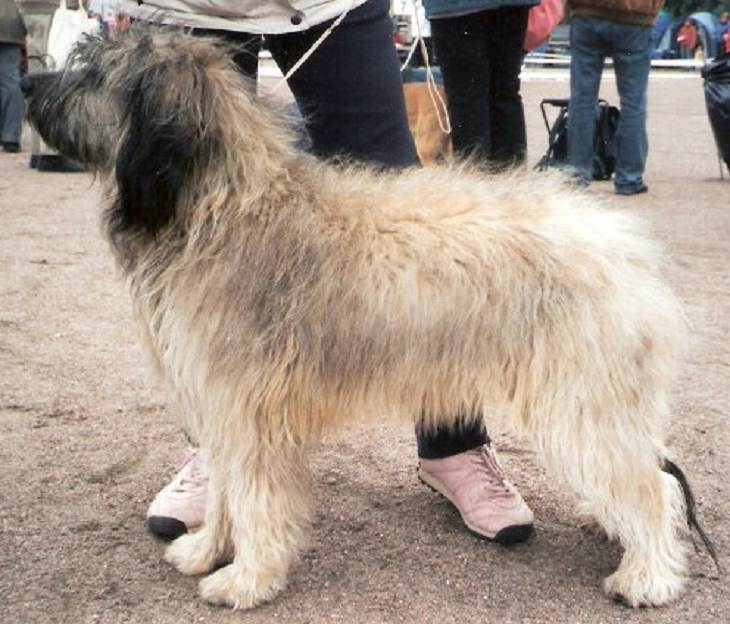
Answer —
707 44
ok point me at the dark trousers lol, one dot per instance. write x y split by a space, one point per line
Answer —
481 56
349 90
350 93
445 441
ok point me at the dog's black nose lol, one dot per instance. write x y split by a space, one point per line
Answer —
26 85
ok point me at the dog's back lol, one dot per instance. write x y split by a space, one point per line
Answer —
401 277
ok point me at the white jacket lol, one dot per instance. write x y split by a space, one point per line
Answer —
254 16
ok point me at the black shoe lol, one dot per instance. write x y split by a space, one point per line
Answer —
632 189
11 148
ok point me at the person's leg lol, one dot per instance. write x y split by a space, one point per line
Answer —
462 51
181 505
11 98
335 104
350 89
505 32
587 47
459 462
355 107
632 61
446 441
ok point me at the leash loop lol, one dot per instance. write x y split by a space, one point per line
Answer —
442 112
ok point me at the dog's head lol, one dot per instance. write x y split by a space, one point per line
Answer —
155 107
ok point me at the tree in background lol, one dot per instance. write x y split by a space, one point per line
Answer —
680 8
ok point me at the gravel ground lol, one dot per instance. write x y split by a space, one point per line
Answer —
86 439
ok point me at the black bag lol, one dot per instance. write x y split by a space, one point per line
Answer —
604 148
717 99
557 151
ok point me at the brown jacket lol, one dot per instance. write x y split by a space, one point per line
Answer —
641 12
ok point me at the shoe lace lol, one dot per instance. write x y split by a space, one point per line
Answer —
485 461
192 474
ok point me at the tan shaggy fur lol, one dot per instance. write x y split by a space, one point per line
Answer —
285 297
431 141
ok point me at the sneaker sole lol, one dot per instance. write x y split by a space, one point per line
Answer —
629 192
166 528
513 534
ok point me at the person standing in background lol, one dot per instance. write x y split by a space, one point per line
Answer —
620 29
479 47
12 40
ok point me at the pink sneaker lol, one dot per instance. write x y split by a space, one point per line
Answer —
476 485
180 505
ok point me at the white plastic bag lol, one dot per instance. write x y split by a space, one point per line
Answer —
67 27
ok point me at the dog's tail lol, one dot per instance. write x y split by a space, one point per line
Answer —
689 500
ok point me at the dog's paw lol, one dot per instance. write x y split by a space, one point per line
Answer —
642 589
232 587
192 553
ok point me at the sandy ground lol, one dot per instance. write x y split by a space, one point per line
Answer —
86 439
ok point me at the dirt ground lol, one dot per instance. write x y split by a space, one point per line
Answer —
86 439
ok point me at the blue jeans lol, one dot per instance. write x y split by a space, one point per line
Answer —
591 41
11 98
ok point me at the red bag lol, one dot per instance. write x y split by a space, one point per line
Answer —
541 21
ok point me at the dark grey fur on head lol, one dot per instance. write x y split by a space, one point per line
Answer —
140 106
73 114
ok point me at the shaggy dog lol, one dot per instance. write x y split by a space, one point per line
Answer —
281 297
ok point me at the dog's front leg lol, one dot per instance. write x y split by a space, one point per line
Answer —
199 552
267 496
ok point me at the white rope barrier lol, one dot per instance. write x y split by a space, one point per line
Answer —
564 60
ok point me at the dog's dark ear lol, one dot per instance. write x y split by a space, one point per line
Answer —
165 111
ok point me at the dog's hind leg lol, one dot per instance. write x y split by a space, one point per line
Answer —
614 464
648 518
267 496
